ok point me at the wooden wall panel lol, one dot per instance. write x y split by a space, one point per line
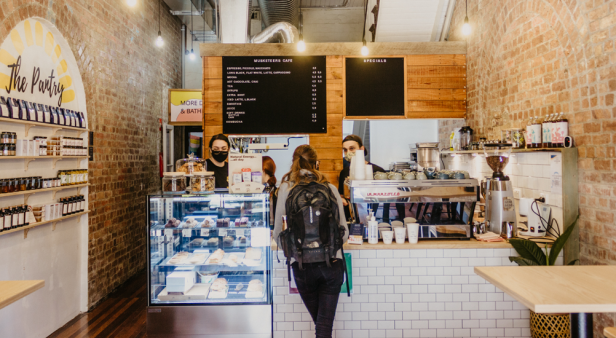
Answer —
436 88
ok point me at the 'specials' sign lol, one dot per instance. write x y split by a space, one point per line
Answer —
32 66
185 107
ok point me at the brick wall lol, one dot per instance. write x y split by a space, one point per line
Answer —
125 76
535 57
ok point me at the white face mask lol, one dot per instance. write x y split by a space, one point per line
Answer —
349 155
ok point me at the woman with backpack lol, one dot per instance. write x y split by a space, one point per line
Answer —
318 279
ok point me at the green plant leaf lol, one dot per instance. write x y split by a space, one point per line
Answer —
521 261
559 243
528 250
573 262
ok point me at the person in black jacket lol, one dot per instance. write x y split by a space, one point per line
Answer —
350 144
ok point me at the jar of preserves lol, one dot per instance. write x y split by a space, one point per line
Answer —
4 149
202 182
4 186
12 150
13 138
174 182
23 184
4 137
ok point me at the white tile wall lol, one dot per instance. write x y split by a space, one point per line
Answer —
529 172
411 293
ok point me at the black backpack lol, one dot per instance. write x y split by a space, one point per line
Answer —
314 233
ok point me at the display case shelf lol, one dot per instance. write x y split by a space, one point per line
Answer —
30 124
29 193
25 229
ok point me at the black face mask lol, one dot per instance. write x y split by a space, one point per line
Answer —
220 156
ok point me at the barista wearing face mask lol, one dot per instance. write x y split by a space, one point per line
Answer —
219 151
350 144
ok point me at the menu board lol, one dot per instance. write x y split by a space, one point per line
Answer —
274 95
374 87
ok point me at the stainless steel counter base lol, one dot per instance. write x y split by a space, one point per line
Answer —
227 321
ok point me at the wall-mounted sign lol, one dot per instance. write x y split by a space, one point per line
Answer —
185 107
36 65
274 95
374 87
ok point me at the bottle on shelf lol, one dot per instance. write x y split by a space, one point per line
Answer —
535 128
8 219
14 218
21 213
1 220
560 131
545 132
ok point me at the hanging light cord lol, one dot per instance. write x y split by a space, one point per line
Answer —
159 15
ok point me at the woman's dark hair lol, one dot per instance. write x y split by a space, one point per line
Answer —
269 167
220 137
356 139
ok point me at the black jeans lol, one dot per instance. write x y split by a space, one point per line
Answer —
319 287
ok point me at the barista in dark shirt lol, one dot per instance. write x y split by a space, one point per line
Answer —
219 152
350 144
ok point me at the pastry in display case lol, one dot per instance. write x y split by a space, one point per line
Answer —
203 265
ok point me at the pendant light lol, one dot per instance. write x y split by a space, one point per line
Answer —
301 45
466 28
364 48
131 3
192 38
159 39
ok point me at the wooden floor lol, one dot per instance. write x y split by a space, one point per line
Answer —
122 315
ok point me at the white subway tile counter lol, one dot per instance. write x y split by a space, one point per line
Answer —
412 292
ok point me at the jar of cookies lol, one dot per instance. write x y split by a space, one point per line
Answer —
202 182
190 164
174 182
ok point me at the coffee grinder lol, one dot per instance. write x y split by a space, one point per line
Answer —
499 201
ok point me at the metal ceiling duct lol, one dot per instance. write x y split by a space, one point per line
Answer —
274 11
280 32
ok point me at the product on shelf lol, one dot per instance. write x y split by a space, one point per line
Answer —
73 177
197 258
73 204
253 254
179 258
172 223
202 181
219 284
4 109
216 257
223 222
174 182
190 223
213 241
196 242
15 217
228 240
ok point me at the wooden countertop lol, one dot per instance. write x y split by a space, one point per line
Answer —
609 332
425 244
431 244
557 289
13 290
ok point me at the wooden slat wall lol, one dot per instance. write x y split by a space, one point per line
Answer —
436 86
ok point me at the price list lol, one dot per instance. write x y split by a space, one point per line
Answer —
274 95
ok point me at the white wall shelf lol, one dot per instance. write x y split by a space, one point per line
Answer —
54 222
55 159
28 193
30 124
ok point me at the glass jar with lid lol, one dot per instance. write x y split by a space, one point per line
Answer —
202 182
190 164
174 182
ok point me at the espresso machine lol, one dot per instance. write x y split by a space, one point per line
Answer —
500 206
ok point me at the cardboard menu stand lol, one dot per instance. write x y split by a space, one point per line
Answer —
241 169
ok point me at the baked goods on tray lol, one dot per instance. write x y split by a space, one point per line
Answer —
197 258
253 254
228 240
197 242
213 241
219 288
216 257
255 289
172 223
190 223
179 258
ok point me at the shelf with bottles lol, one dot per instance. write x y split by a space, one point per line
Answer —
30 124
28 193
26 228
55 159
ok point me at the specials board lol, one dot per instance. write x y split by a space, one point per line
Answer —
374 87
274 95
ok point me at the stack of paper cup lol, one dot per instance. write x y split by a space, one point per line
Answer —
413 229
360 165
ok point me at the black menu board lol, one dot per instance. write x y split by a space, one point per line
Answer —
374 87
274 95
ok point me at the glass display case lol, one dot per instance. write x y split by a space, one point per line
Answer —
209 266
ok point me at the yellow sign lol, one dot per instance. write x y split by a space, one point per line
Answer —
185 106
33 66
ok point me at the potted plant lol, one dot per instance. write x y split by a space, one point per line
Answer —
555 325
